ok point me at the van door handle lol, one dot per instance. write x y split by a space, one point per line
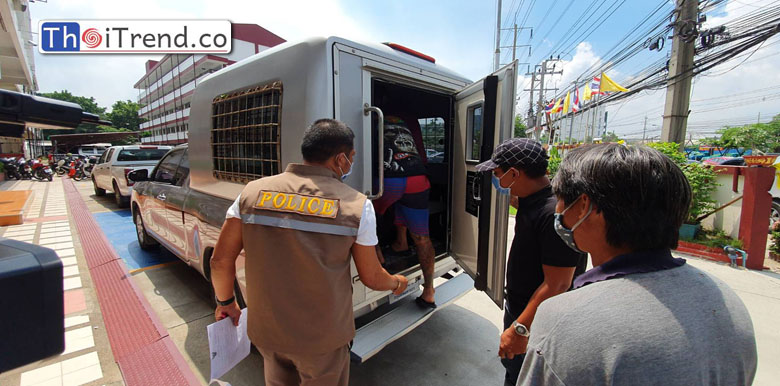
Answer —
367 110
474 195
161 196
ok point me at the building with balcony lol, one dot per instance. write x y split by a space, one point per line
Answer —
165 91
17 66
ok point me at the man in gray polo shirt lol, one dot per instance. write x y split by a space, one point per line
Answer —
640 316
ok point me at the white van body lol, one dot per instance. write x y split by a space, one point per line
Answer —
343 79
93 149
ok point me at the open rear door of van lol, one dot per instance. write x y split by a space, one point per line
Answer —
484 117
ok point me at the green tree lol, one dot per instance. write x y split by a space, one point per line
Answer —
520 127
124 114
700 177
610 137
763 137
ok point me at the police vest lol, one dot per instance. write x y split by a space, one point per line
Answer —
298 229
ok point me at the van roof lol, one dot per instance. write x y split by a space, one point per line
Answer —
319 45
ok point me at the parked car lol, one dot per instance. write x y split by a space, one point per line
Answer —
110 172
724 161
239 132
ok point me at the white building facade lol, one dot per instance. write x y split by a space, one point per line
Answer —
166 89
17 65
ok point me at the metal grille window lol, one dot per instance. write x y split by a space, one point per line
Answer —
245 137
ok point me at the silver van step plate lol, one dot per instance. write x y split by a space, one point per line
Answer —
377 334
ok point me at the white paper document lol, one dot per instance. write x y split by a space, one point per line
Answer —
228 344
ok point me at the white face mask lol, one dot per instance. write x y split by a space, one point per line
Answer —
345 175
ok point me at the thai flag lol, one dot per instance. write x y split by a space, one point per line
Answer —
595 86
575 107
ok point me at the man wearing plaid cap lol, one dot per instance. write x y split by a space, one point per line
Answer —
540 264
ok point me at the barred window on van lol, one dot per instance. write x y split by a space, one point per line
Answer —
245 137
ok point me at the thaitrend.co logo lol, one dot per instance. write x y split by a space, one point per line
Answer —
134 36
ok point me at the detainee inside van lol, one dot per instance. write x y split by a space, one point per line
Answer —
417 137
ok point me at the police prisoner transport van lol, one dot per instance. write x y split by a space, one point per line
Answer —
247 121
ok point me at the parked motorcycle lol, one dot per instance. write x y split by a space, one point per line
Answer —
24 168
40 171
87 166
62 166
76 171
11 168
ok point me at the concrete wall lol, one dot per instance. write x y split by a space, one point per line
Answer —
726 219
11 145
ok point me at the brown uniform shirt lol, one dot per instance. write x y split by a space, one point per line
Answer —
298 229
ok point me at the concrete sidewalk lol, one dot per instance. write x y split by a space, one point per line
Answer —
760 291
88 358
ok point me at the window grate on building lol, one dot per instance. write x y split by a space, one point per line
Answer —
245 137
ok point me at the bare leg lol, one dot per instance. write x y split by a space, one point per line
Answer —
401 243
426 255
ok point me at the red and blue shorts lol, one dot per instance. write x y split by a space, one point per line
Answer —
411 196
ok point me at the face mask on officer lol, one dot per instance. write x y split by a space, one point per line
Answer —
345 175
497 184
567 235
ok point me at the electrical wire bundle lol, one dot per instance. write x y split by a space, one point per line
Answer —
731 40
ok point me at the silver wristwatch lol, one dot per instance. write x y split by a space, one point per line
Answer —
520 329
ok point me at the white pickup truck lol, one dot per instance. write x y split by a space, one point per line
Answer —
110 172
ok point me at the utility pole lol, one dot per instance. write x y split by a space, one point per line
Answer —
678 89
542 90
497 54
644 130
759 117
531 121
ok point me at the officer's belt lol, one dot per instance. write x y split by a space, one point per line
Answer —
288 223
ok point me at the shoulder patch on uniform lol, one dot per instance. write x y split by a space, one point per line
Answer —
298 203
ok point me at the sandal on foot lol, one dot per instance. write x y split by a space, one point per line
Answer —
424 304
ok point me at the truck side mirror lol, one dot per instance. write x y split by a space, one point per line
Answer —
33 326
138 175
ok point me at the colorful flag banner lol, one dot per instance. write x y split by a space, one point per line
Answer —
595 86
548 109
575 107
608 84
567 102
588 93
558 106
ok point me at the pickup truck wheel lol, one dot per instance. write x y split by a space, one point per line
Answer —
144 240
121 201
98 191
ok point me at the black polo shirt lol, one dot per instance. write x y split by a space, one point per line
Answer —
536 244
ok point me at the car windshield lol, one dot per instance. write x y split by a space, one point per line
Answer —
141 154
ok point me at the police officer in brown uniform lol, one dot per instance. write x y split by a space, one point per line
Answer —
298 229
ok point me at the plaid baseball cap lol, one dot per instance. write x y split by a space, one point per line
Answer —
515 152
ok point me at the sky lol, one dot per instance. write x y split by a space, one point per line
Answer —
459 34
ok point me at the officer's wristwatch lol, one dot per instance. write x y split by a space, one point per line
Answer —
226 302
520 329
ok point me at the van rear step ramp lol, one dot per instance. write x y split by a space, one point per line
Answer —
377 334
